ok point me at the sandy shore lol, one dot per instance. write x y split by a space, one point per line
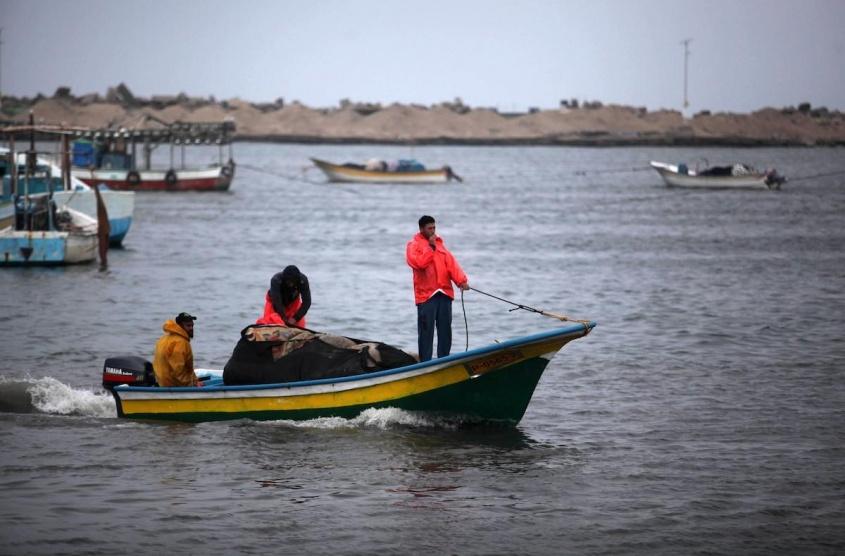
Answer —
452 123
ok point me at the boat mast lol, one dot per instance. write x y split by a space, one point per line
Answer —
1 67
29 168
65 164
13 165
686 42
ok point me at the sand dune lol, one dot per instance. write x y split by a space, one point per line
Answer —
458 124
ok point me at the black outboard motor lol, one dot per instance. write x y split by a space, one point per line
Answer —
128 369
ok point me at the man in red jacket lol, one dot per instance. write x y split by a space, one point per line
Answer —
288 299
434 270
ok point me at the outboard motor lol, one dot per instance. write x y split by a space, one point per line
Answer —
127 369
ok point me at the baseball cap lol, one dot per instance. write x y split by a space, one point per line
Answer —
183 317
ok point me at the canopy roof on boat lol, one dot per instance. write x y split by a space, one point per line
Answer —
42 129
196 133
149 129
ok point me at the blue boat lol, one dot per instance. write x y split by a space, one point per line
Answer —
36 229
46 179
46 235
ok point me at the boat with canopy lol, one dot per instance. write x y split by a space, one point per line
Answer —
121 158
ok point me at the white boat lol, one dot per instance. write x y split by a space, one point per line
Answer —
120 205
736 176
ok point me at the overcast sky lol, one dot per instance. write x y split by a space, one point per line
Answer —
744 54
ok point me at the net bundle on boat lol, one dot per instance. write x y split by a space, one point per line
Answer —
267 354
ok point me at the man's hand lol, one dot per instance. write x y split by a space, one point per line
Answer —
432 240
464 286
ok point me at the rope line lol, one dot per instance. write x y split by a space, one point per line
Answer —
518 306
299 178
814 176
611 170
466 324
291 177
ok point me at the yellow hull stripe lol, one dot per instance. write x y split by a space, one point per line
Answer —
376 173
371 394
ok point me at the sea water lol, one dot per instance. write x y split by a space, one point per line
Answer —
704 414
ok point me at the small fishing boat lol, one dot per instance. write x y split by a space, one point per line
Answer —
40 232
69 237
46 178
110 157
493 383
736 176
120 206
217 178
411 172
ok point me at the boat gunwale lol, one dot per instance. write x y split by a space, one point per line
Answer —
579 329
193 172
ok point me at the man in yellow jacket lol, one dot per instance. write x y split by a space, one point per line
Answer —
173 361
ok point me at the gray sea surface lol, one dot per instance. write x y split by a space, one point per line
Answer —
705 414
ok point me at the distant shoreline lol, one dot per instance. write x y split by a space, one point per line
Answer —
573 124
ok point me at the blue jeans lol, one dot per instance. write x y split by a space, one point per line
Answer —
436 311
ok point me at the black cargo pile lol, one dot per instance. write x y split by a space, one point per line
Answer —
268 354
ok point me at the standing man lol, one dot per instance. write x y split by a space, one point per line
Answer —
434 270
173 361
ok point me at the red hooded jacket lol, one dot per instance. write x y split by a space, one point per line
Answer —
434 269
272 317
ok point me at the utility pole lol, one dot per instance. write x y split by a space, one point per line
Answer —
686 42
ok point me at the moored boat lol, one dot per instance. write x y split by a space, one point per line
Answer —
39 231
493 383
120 207
217 178
111 157
736 176
71 238
46 178
360 173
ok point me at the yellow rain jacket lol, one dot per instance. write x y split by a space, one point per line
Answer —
173 361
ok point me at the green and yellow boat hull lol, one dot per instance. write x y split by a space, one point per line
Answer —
493 383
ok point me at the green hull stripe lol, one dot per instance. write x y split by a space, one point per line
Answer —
502 395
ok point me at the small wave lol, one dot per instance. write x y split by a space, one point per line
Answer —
51 396
384 418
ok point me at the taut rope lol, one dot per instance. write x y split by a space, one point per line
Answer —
518 306
533 310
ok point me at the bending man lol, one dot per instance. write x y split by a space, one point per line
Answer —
288 299
434 270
